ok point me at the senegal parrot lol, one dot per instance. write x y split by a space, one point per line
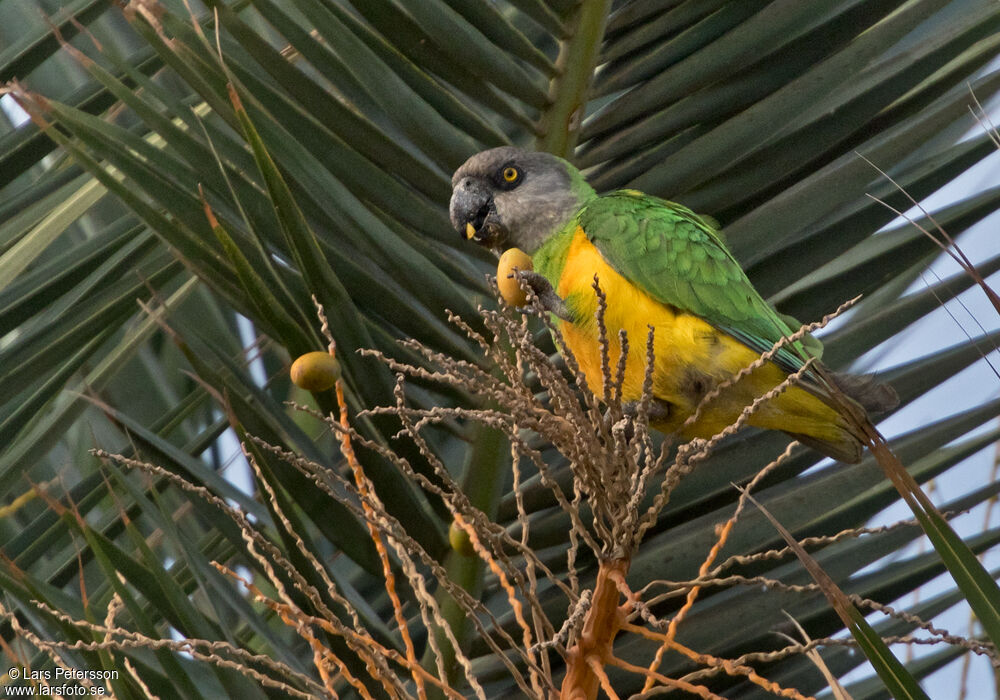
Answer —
661 265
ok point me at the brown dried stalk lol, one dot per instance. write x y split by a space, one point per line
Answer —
611 457
614 465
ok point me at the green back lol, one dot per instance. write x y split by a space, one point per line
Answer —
678 258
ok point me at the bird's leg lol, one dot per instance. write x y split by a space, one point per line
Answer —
542 289
657 410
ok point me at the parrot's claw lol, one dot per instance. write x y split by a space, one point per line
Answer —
656 411
542 289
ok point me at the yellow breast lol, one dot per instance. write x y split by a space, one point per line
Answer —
691 356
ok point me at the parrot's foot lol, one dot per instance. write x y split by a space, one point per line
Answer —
542 289
658 410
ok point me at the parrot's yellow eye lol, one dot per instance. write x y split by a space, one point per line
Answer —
510 174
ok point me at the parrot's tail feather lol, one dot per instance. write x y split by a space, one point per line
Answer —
875 397
848 449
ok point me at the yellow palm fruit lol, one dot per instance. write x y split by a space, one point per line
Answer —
459 540
315 371
510 288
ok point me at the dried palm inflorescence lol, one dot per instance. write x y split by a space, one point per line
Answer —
614 463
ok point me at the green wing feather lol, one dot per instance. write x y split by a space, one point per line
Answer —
678 258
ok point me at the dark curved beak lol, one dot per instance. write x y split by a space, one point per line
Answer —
474 215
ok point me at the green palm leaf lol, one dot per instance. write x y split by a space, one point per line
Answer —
330 177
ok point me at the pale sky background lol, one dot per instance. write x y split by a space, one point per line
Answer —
973 386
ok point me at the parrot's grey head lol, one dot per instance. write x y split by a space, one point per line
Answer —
507 197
